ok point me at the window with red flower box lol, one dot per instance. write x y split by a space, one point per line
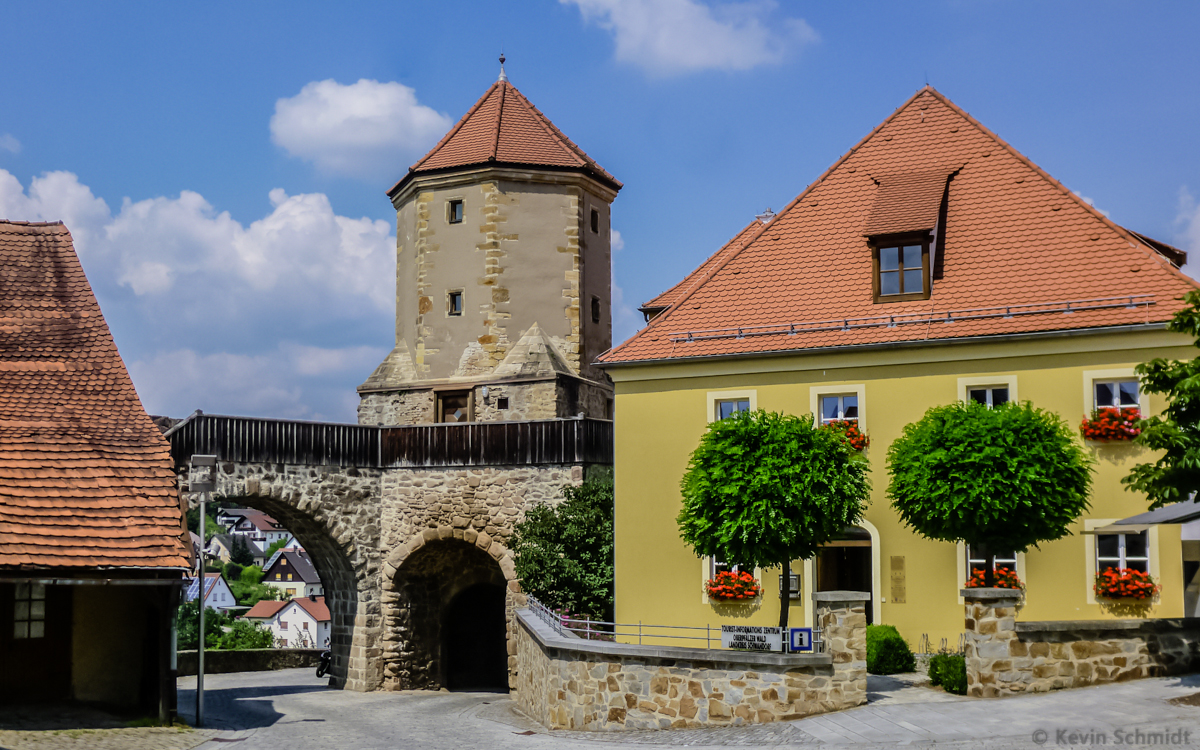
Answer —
857 439
1125 583
730 586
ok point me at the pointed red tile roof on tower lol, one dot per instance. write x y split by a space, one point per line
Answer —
86 478
1017 253
504 128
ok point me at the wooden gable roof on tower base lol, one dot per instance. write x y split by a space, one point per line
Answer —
1018 253
86 477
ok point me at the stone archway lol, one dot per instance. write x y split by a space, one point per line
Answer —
430 582
335 519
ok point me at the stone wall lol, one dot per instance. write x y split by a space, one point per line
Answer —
555 398
249 660
1006 657
570 683
396 408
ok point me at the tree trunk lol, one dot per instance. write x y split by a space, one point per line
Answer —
989 573
785 600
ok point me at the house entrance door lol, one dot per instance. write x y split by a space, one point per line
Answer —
845 565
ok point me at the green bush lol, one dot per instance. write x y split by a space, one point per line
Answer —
887 651
949 671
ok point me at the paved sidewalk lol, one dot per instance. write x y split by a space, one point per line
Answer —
292 710
73 727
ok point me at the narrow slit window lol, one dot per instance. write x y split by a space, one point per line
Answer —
595 221
595 309
454 212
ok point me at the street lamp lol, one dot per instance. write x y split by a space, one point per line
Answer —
203 487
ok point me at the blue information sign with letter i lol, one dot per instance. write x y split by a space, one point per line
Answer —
800 639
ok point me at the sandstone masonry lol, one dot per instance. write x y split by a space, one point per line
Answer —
1006 657
570 683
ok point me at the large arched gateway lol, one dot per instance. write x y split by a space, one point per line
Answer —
408 528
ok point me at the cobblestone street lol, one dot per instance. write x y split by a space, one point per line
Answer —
292 709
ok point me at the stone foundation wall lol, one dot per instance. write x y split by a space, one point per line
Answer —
569 683
396 408
1006 657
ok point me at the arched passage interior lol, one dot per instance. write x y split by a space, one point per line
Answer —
450 620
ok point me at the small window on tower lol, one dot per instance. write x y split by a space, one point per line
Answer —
595 221
502 403
595 309
454 212
454 303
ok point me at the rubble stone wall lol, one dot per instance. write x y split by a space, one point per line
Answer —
570 683
1006 657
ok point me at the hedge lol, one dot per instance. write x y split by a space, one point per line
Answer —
887 651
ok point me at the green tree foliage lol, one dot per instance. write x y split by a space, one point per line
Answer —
249 589
241 553
1001 479
564 553
763 489
275 547
211 526
1175 476
233 571
220 630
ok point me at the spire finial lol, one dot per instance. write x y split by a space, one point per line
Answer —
503 76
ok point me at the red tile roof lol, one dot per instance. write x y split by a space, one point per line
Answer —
315 607
86 477
672 295
265 609
1019 249
504 128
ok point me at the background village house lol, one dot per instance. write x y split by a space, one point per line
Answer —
302 622
292 572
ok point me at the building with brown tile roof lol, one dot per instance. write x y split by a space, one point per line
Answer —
932 263
1012 251
87 491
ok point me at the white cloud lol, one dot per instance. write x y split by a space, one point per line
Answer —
671 37
366 129
1188 222
1092 203
190 291
180 381
617 242
9 143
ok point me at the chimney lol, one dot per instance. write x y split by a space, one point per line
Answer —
312 597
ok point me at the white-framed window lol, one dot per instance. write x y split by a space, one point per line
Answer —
727 407
1107 389
724 404
716 566
833 402
29 611
1115 394
1123 551
976 561
988 396
839 407
1140 553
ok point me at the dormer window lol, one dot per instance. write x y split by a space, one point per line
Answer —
901 268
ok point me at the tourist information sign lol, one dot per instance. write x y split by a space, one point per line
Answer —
751 638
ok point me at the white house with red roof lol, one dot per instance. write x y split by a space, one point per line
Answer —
217 594
302 622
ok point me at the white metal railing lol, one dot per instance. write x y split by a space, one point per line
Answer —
1067 307
640 632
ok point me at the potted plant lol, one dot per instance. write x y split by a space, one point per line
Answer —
1125 592
848 429
1111 424
1004 579
728 586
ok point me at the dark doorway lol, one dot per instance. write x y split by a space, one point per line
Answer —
845 565
474 639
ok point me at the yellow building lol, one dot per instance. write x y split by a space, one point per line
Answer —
931 263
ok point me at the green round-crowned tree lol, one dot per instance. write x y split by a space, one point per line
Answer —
763 489
999 479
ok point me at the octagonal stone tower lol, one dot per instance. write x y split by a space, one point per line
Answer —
502 275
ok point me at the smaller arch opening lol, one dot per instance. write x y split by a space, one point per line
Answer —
474 639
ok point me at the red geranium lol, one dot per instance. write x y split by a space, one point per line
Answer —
1125 583
849 429
1005 579
728 586
1112 423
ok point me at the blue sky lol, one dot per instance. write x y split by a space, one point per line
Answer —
223 165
